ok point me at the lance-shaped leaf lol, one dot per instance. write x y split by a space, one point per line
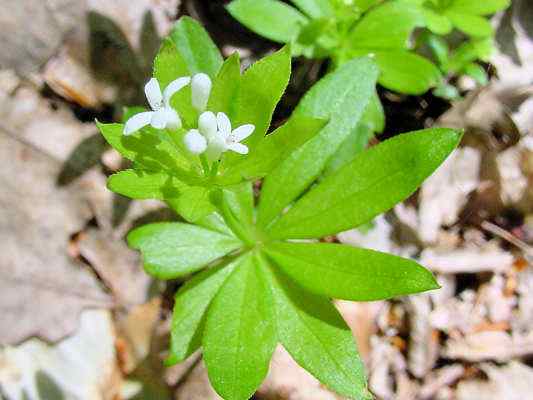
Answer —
190 305
140 184
341 97
239 336
371 184
169 64
172 250
350 273
236 204
272 19
261 88
153 150
226 87
196 47
317 337
193 204
473 25
276 147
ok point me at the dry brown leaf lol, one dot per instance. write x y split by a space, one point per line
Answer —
42 290
32 31
82 366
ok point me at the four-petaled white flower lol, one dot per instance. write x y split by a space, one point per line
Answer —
163 115
228 139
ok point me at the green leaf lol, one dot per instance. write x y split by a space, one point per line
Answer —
484 7
151 149
239 336
350 273
317 337
193 204
371 184
190 305
315 8
272 19
374 115
406 72
196 47
387 26
236 204
172 250
169 64
439 48
261 88
341 97
477 72
276 147
470 51
226 87
140 184
472 25
348 150
436 22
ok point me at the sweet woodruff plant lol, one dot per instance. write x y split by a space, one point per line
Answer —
255 273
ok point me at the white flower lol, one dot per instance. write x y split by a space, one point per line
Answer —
195 142
225 139
201 89
163 115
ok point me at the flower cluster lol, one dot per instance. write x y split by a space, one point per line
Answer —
214 134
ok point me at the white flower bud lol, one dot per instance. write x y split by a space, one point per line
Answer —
201 89
195 142
207 124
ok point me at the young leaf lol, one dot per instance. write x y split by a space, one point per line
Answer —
153 150
196 47
169 64
472 25
190 305
140 184
371 184
317 337
226 87
406 72
261 88
239 336
315 8
172 250
340 97
485 7
350 273
476 72
387 26
272 19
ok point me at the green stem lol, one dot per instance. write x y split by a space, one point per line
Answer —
205 164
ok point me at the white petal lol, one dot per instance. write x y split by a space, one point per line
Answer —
238 148
153 94
174 87
215 147
195 142
159 119
207 124
201 89
224 124
172 118
137 122
243 131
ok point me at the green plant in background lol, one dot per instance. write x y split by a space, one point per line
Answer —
343 29
255 273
